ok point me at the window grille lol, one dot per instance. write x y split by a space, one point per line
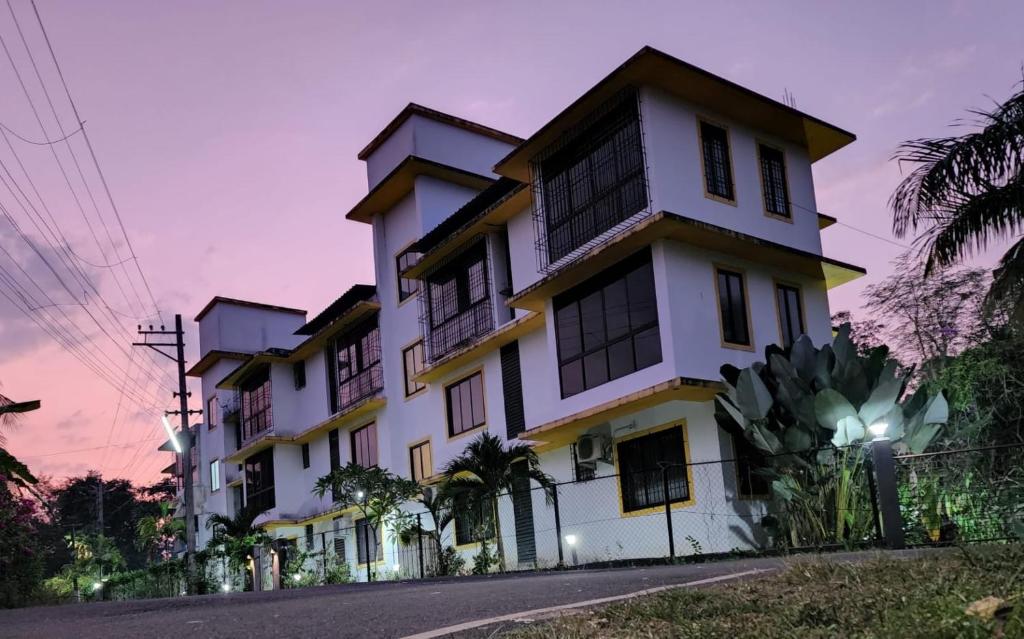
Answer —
457 308
717 163
590 182
773 181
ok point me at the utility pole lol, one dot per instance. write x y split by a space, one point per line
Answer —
185 435
99 504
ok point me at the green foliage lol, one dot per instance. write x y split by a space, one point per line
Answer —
338 571
377 493
484 559
439 502
486 469
807 410
920 598
158 533
235 537
20 562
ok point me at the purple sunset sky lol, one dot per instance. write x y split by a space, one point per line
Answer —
228 132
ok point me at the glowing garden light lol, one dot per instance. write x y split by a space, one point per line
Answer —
878 429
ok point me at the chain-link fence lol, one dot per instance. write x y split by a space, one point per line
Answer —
962 496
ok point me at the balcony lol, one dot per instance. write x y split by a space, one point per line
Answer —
232 409
366 383
256 423
460 330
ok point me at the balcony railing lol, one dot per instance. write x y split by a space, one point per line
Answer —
460 330
232 409
363 384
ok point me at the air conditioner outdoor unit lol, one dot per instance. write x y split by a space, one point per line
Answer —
593 448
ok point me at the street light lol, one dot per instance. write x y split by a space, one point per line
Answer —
170 434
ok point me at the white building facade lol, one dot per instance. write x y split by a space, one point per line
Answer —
578 290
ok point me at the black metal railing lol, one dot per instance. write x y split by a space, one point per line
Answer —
256 423
460 330
232 409
364 384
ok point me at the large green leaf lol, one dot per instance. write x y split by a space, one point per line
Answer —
843 347
918 438
850 430
849 378
740 422
797 439
938 410
802 356
823 364
755 400
830 407
882 398
764 439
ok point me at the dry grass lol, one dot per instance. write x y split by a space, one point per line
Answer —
925 597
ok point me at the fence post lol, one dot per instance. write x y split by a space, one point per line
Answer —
366 547
668 514
887 494
873 491
558 525
323 550
419 542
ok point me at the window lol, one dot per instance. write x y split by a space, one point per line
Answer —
750 483
364 446
642 462
214 475
212 413
406 287
773 181
412 361
458 304
366 535
474 520
305 455
791 313
464 401
420 463
358 365
299 374
596 181
309 537
732 306
257 416
608 326
259 480
335 450
714 142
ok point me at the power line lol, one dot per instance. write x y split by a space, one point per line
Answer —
82 450
853 228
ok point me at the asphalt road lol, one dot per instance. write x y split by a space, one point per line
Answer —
391 609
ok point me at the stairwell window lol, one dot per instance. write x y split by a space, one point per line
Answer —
259 480
773 181
791 313
212 413
214 475
645 462
464 404
717 159
733 311
406 287
458 304
257 415
364 446
608 326
412 362
420 463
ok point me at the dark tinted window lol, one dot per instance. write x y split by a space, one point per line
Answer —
299 374
791 315
465 404
643 463
412 363
608 326
773 181
406 287
259 480
458 302
717 163
305 455
364 446
732 302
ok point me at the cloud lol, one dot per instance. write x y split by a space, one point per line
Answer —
955 59
74 420
892 107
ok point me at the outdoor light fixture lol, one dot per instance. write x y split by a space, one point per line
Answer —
170 434
359 495
248 557
97 585
878 429
570 539
225 587
296 577
396 567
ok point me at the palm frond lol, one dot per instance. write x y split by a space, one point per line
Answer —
1006 295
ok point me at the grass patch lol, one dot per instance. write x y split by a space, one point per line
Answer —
925 597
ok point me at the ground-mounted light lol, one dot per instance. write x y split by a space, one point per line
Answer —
359 495
878 429
571 540
296 577
396 567
97 585
225 587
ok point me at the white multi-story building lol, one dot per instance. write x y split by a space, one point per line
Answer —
578 290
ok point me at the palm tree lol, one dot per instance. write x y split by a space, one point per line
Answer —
236 536
966 191
10 467
439 502
486 469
